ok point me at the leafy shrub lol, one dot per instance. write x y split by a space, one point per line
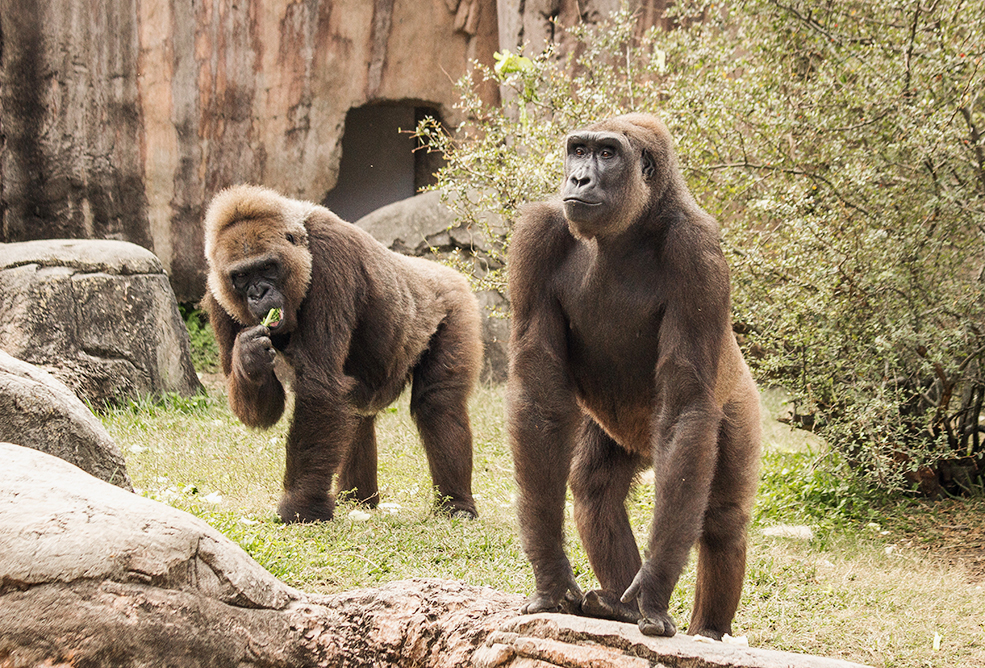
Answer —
205 351
841 145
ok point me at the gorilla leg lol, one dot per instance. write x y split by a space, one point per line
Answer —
722 546
443 380
321 431
359 468
601 476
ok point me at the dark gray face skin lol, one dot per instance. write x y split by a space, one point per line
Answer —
258 281
597 174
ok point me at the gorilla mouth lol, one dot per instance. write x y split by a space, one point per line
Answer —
577 200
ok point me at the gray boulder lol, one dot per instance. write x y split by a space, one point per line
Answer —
423 226
38 411
98 315
95 575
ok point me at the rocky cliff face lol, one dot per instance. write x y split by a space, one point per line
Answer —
71 121
123 117
119 119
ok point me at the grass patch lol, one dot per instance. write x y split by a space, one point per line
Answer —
204 349
867 585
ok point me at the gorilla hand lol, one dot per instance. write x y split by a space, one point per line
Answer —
656 621
253 354
562 594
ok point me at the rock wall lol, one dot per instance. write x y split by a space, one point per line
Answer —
71 163
122 118
119 119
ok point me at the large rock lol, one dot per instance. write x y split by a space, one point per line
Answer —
93 575
38 411
422 225
98 315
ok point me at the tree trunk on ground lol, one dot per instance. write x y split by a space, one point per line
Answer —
93 575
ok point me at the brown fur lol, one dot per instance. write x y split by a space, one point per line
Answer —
622 357
359 322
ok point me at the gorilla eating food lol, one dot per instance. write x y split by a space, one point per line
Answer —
622 357
357 323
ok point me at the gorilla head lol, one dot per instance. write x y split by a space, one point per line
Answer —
259 241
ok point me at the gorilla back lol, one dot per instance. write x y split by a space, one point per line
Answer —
358 322
622 357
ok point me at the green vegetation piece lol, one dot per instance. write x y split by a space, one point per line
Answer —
273 315
205 351
510 63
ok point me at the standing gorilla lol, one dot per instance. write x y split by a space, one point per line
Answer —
622 357
358 321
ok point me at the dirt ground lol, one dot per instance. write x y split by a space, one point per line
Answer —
952 531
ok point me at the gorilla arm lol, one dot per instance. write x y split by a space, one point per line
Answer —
256 396
684 442
543 415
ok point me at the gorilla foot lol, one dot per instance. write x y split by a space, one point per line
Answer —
658 624
569 604
603 604
293 510
459 509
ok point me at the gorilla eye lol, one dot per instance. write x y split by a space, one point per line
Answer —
607 153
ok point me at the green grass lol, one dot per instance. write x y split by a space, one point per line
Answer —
863 588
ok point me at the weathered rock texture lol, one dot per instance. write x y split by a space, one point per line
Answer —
93 575
71 163
98 315
38 411
534 23
121 118
425 227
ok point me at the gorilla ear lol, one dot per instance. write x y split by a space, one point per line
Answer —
649 166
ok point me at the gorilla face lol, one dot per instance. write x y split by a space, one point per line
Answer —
258 282
603 190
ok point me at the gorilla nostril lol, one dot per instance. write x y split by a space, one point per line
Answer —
256 292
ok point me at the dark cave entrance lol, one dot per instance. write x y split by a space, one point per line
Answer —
379 165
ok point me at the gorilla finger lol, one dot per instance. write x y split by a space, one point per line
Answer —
539 603
571 603
605 605
634 589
